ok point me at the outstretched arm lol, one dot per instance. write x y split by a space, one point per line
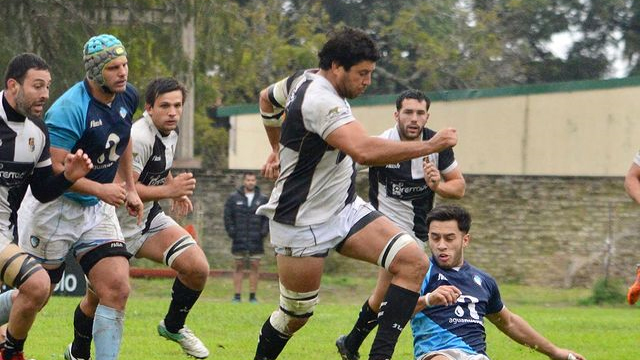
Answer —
46 186
519 330
353 140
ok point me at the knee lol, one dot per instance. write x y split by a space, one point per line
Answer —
113 292
196 272
411 263
295 310
36 289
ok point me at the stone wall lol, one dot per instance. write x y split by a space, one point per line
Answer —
530 230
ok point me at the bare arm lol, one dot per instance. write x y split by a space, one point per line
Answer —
519 330
174 187
271 167
453 185
353 140
632 182
125 172
113 193
443 295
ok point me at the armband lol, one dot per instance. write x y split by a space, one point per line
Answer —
273 119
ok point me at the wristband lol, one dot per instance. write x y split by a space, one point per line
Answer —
426 298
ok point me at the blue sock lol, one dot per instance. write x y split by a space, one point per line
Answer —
5 306
108 324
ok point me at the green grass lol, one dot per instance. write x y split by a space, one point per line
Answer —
231 330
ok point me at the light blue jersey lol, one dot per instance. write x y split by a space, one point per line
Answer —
78 121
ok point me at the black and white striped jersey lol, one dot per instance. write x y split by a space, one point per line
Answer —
400 192
316 180
24 146
152 158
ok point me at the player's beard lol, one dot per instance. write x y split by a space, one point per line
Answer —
24 107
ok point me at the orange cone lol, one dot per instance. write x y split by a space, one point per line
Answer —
634 290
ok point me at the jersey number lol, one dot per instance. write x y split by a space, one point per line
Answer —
110 147
471 305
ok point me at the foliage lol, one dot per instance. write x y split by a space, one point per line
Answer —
243 45
606 291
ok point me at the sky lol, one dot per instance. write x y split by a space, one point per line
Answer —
561 43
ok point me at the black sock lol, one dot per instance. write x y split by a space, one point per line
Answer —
271 342
12 346
395 312
236 296
82 334
367 321
252 296
182 299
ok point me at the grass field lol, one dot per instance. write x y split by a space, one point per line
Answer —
231 330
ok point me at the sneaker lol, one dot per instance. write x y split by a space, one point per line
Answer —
189 342
69 356
236 300
253 300
345 353
634 290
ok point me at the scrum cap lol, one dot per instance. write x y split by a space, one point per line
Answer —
98 52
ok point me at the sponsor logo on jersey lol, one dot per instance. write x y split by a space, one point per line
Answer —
392 166
95 123
35 241
32 144
123 112
442 277
407 191
156 158
156 180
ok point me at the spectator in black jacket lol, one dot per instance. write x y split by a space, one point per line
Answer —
247 231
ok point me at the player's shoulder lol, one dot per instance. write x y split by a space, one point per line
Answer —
479 275
131 96
72 103
142 131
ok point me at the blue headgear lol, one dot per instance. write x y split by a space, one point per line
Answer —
98 52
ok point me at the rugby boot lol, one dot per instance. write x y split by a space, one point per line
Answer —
69 356
189 342
634 291
345 353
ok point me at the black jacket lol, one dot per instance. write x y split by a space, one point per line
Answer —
244 227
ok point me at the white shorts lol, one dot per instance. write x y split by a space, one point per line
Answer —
49 231
453 354
159 222
300 241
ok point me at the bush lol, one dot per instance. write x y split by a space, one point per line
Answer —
606 291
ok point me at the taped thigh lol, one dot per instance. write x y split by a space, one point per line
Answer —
392 248
177 248
293 305
17 266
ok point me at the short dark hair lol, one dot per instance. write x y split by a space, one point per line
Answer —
248 173
450 212
412 94
21 64
161 86
347 47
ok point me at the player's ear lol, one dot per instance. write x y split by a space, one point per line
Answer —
466 239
